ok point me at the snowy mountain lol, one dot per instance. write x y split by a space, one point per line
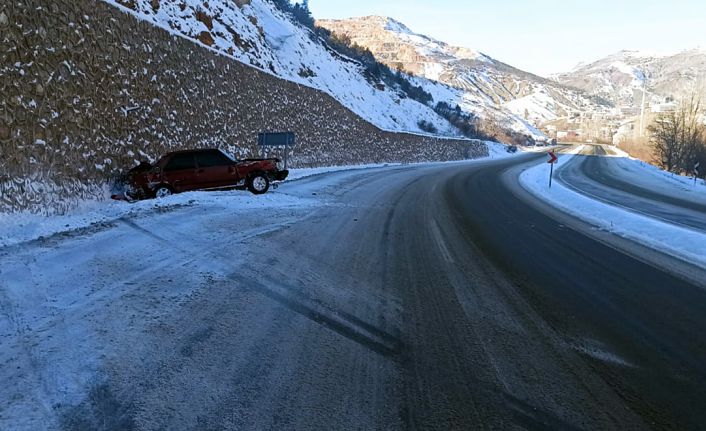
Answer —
485 82
620 77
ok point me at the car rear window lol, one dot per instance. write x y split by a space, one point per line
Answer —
180 162
212 158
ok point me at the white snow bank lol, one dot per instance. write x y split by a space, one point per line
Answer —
499 151
658 180
681 242
297 174
22 227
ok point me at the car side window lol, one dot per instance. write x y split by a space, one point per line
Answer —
180 162
212 158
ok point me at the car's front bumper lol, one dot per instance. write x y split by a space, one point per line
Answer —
279 175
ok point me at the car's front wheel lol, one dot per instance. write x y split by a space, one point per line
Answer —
162 192
259 184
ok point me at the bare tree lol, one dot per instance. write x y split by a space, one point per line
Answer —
492 127
678 138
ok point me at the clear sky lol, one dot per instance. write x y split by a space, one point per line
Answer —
542 36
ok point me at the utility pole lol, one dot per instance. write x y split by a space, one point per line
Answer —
642 110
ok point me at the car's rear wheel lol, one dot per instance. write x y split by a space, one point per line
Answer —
163 192
259 184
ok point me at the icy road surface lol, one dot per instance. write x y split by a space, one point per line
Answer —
406 297
636 186
626 198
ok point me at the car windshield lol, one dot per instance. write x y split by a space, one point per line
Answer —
229 155
213 158
367 215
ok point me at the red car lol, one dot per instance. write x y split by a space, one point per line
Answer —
208 169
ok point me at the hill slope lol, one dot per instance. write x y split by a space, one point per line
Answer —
484 81
258 34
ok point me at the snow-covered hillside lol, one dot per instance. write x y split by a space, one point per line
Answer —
255 32
539 106
486 83
620 77
504 117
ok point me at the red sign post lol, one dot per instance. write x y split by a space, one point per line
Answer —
552 160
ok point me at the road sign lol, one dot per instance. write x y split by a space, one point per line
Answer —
285 140
552 158
275 139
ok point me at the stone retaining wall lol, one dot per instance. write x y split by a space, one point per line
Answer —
87 90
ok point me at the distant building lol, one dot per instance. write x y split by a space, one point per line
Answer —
551 131
664 107
629 111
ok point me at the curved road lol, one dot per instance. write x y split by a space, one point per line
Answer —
436 297
593 175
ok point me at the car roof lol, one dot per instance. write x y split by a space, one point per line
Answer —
195 151
198 150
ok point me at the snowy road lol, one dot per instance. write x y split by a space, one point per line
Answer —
408 297
600 177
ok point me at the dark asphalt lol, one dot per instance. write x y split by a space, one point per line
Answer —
585 290
592 174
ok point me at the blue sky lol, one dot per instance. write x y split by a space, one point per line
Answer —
542 36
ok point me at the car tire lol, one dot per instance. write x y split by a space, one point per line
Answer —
258 184
163 192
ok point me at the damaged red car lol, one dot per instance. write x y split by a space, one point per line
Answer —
207 169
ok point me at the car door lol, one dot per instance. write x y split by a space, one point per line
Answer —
215 170
180 172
